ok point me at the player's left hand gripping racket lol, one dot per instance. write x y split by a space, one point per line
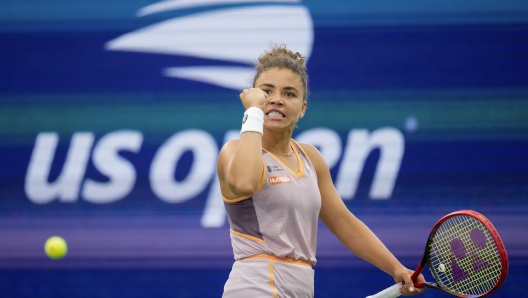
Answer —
465 255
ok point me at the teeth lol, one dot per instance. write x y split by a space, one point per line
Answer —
274 113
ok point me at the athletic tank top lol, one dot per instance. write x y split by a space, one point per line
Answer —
281 218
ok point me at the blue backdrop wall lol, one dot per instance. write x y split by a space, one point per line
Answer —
112 114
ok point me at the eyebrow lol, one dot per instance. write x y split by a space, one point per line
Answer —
273 86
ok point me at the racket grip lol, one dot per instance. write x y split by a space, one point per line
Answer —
390 292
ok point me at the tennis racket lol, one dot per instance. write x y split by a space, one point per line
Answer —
465 255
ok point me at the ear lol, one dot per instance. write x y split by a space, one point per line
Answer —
303 109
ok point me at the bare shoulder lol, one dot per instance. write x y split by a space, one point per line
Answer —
309 149
230 145
228 149
313 153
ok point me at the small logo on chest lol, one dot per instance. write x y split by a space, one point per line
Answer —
279 179
274 168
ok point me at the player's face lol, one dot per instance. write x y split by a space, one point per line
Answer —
285 104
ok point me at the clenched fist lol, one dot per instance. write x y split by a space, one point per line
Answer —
253 97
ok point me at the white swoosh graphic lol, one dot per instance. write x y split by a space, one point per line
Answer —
238 34
230 77
179 4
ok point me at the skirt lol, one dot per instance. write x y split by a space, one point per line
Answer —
269 278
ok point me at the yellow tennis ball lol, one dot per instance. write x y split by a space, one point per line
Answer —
55 247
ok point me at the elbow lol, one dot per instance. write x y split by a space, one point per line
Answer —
244 188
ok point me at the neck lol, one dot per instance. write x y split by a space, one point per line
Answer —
281 149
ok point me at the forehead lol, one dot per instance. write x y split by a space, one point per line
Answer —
280 77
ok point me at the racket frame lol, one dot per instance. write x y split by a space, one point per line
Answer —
425 260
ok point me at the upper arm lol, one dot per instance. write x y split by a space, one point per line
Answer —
333 210
239 178
352 232
226 153
222 167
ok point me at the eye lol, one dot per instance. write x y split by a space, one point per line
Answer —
267 91
289 94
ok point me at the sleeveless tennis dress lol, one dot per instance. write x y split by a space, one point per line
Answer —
273 233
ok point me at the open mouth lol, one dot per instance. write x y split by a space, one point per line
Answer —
275 114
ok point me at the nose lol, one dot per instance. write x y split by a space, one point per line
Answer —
274 99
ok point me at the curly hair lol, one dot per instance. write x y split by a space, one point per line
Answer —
281 57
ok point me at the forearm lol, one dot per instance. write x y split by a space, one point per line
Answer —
359 239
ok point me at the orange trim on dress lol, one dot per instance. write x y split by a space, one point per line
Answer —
246 236
278 259
262 181
300 147
272 280
299 161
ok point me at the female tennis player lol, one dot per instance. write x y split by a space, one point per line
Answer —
276 189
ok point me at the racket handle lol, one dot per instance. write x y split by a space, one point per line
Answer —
390 292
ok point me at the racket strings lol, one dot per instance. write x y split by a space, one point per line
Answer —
468 265
464 257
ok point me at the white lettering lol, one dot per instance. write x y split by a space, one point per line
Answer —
360 144
279 179
163 167
66 186
121 172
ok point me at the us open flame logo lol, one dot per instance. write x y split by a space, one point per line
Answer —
236 34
